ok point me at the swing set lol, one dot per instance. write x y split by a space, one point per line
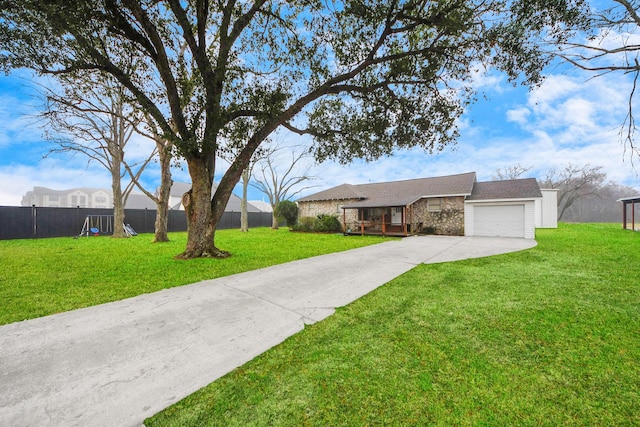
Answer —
94 225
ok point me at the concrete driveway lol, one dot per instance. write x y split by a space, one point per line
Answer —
119 363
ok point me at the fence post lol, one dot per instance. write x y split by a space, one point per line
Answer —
34 220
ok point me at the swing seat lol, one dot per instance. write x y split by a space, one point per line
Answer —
95 231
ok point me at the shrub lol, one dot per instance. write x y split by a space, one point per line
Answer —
429 230
305 223
321 224
328 223
289 212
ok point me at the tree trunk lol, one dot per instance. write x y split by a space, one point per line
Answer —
162 218
200 219
118 202
274 215
244 216
162 202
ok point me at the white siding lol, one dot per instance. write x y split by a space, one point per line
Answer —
549 209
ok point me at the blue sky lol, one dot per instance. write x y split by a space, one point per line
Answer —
570 118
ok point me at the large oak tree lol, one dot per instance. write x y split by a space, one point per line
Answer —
362 77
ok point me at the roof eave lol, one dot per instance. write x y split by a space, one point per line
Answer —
444 195
512 199
630 199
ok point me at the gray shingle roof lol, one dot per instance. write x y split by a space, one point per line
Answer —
509 189
341 192
398 193
140 201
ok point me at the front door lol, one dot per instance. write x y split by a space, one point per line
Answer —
396 216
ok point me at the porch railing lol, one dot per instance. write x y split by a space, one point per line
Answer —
381 227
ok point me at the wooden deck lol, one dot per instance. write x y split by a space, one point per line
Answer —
377 233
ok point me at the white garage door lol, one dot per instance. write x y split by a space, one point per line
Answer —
503 221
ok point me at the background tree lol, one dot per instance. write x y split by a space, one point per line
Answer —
244 214
279 174
245 179
603 208
574 183
161 197
510 172
91 115
362 77
288 211
612 48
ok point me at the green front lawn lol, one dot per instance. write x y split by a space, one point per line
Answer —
46 276
548 336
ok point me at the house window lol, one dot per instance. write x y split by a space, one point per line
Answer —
101 200
434 205
372 214
74 200
53 198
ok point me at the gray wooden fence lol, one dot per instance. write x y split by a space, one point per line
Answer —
38 222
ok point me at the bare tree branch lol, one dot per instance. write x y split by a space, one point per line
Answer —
279 179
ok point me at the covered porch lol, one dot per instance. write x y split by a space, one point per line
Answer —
629 213
380 221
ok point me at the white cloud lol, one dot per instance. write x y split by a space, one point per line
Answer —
568 119
483 80
519 115
48 173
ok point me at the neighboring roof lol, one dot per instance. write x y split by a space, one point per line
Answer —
263 206
397 193
233 205
179 188
508 189
140 201
49 191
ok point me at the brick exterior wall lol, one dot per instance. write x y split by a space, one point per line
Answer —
449 221
327 207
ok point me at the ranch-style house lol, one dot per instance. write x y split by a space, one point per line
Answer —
455 205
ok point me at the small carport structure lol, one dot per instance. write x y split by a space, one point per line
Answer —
626 212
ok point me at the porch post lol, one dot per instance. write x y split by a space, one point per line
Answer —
384 226
624 215
344 221
362 222
413 226
633 215
404 220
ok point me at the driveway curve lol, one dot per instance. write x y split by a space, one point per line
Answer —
117 364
